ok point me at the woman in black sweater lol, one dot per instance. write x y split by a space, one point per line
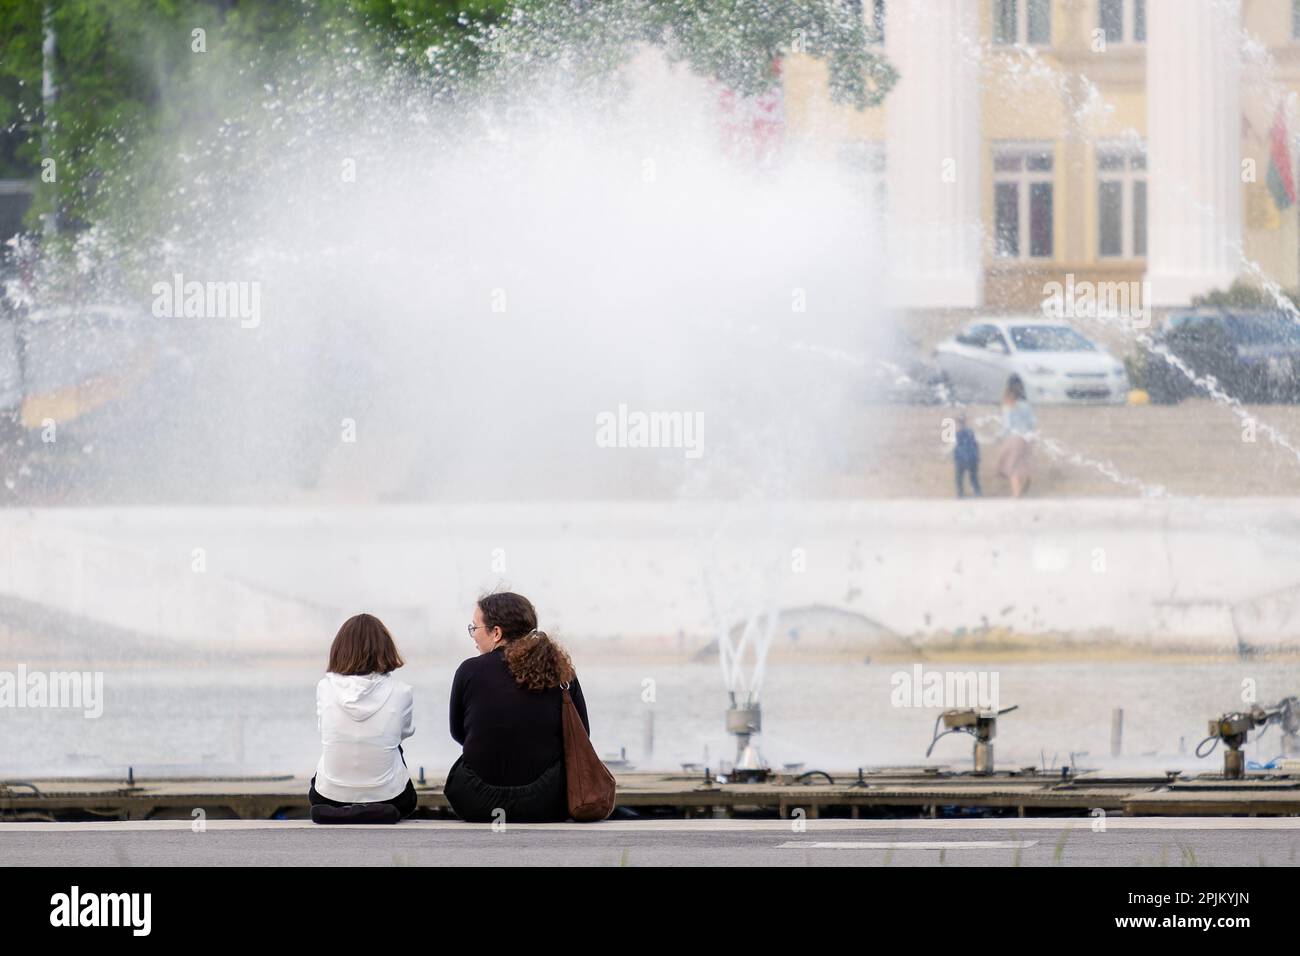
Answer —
506 713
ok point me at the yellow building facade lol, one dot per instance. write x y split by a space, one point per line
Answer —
1067 93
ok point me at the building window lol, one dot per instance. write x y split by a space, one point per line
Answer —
1022 21
1121 202
1122 21
1022 201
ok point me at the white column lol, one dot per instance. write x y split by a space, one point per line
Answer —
933 153
1193 147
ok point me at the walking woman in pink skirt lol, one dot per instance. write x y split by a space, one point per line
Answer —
1019 425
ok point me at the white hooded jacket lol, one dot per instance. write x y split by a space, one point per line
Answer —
363 718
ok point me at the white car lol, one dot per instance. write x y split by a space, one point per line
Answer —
1056 363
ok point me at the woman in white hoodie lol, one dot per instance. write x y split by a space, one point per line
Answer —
364 714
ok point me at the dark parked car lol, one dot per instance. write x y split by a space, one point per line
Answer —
1252 356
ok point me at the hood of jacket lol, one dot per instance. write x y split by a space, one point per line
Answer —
361 695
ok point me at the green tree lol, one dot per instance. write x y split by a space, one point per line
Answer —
119 63
736 42
132 74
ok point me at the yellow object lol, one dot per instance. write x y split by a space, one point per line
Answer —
72 401
1139 396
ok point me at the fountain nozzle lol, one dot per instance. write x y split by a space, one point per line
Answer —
744 722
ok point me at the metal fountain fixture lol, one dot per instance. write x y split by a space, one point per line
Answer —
745 715
980 724
744 720
1289 722
1234 729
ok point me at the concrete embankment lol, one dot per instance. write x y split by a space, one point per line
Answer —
1204 576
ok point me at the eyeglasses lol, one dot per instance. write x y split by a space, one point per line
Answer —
474 627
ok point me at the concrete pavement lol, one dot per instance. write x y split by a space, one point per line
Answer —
1133 842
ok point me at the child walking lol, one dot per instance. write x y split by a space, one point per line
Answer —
966 456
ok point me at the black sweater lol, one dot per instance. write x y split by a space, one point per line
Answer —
510 734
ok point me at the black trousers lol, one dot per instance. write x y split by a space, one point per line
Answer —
971 468
474 800
406 801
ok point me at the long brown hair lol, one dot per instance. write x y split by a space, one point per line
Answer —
363 646
535 660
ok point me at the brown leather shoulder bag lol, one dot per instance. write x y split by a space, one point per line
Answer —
590 784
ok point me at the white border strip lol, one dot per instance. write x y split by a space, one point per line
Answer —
698 826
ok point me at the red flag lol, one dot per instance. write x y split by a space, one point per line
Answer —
1281 184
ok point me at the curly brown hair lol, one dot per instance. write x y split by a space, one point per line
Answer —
535 660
